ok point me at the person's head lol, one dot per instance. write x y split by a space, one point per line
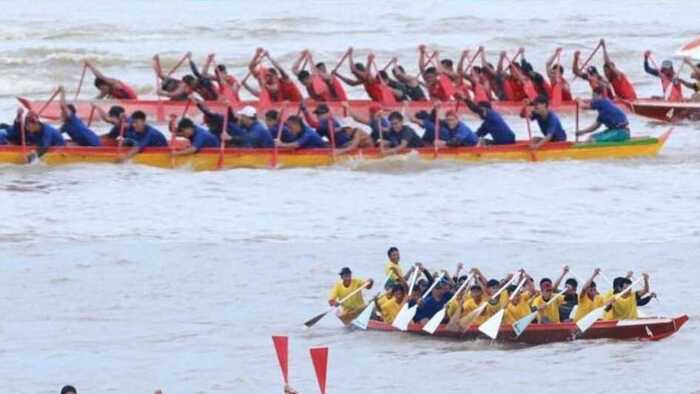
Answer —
538 80
384 75
186 127
442 287
592 290
511 289
103 86
396 121
571 285
558 68
304 78
398 71
32 123
170 84
321 67
430 75
541 105
608 71
451 119
221 69
68 389
626 282
190 81
447 63
476 71
272 118
393 254
115 113
492 286
322 111
599 92
618 283
592 70
295 124
667 67
345 276
476 292
359 67
271 78
246 116
138 121
546 287
398 292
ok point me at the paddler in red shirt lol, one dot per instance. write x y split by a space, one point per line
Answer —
316 88
376 89
618 80
667 76
431 76
111 87
555 73
593 77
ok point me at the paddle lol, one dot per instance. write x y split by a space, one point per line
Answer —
520 325
281 344
173 133
340 62
403 319
587 321
311 322
467 320
578 107
529 135
279 136
404 307
432 325
331 132
46 104
222 143
80 84
492 326
362 320
319 356
583 66
172 70
91 116
437 132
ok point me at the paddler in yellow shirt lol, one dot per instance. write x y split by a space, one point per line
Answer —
354 305
390 308
625 306
393 267
589 299
519 306
549 313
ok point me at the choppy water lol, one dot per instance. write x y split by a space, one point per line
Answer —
126 278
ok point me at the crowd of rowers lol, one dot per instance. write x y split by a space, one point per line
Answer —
433 291
476 86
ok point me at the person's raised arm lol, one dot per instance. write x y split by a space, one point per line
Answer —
606 59
103 115
550 63
255 61
296 66
158 68
647 67
575 66
460 64
687 84
193 68
62 101
590 280
355 116
283 74
564 271
501 61
645 289
421 58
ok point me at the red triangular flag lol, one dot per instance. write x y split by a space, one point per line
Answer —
319 356
282 349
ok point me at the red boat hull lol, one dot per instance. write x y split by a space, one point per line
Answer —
537 334
666 111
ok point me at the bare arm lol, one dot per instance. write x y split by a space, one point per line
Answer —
590 280
277 66
644 290
575 66
357 117
62 100
421 59
296 66
550 63
564 271
157 67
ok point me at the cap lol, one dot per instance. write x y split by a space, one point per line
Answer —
321 109
345 271
667 64
247 111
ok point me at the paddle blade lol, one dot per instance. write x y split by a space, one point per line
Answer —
319 356
520 325
25 103
432 325
467 320
404 317
362 320
310 323
491 326
282 349
587 321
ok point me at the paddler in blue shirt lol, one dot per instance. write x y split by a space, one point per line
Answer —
199 137
43 135
10 134
248 132
115 116
73 126
304 136
548 121
141 135
493 125
609 115
272 121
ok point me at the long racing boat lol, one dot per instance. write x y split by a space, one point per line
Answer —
666 111
228 158
651 328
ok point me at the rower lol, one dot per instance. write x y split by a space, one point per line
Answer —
203 85
115 116
176 90
376 119
493 125
570 299
247 132
12 133
618 80
288 90
304 137
390 306
549 313
392 268
458 133
41 134
73 126
555 73
667 76
399 136
548 121
519 306
609 115
374 86
593 77
274 81
354 137
494 79
412 86
433 302
625 306
588 299
399 88
199 137
111 87
518 77
320 120
695 74
215 121
431 74
472 302
346 285
222 78
480 88
141 135
272 121
306 79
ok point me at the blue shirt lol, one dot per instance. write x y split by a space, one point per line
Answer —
3 137
462 134
609 114
47 137
324 127
149 138
202 138
287 135
309 138
254 136
12 134
550 126
374 125
430 307
79 133
429 134
497 127
405 134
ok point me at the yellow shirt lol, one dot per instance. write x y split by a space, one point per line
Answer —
382 299
390 273
471 305
389 310
338 292
452 307
515 312
625 308
551 313
586 305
